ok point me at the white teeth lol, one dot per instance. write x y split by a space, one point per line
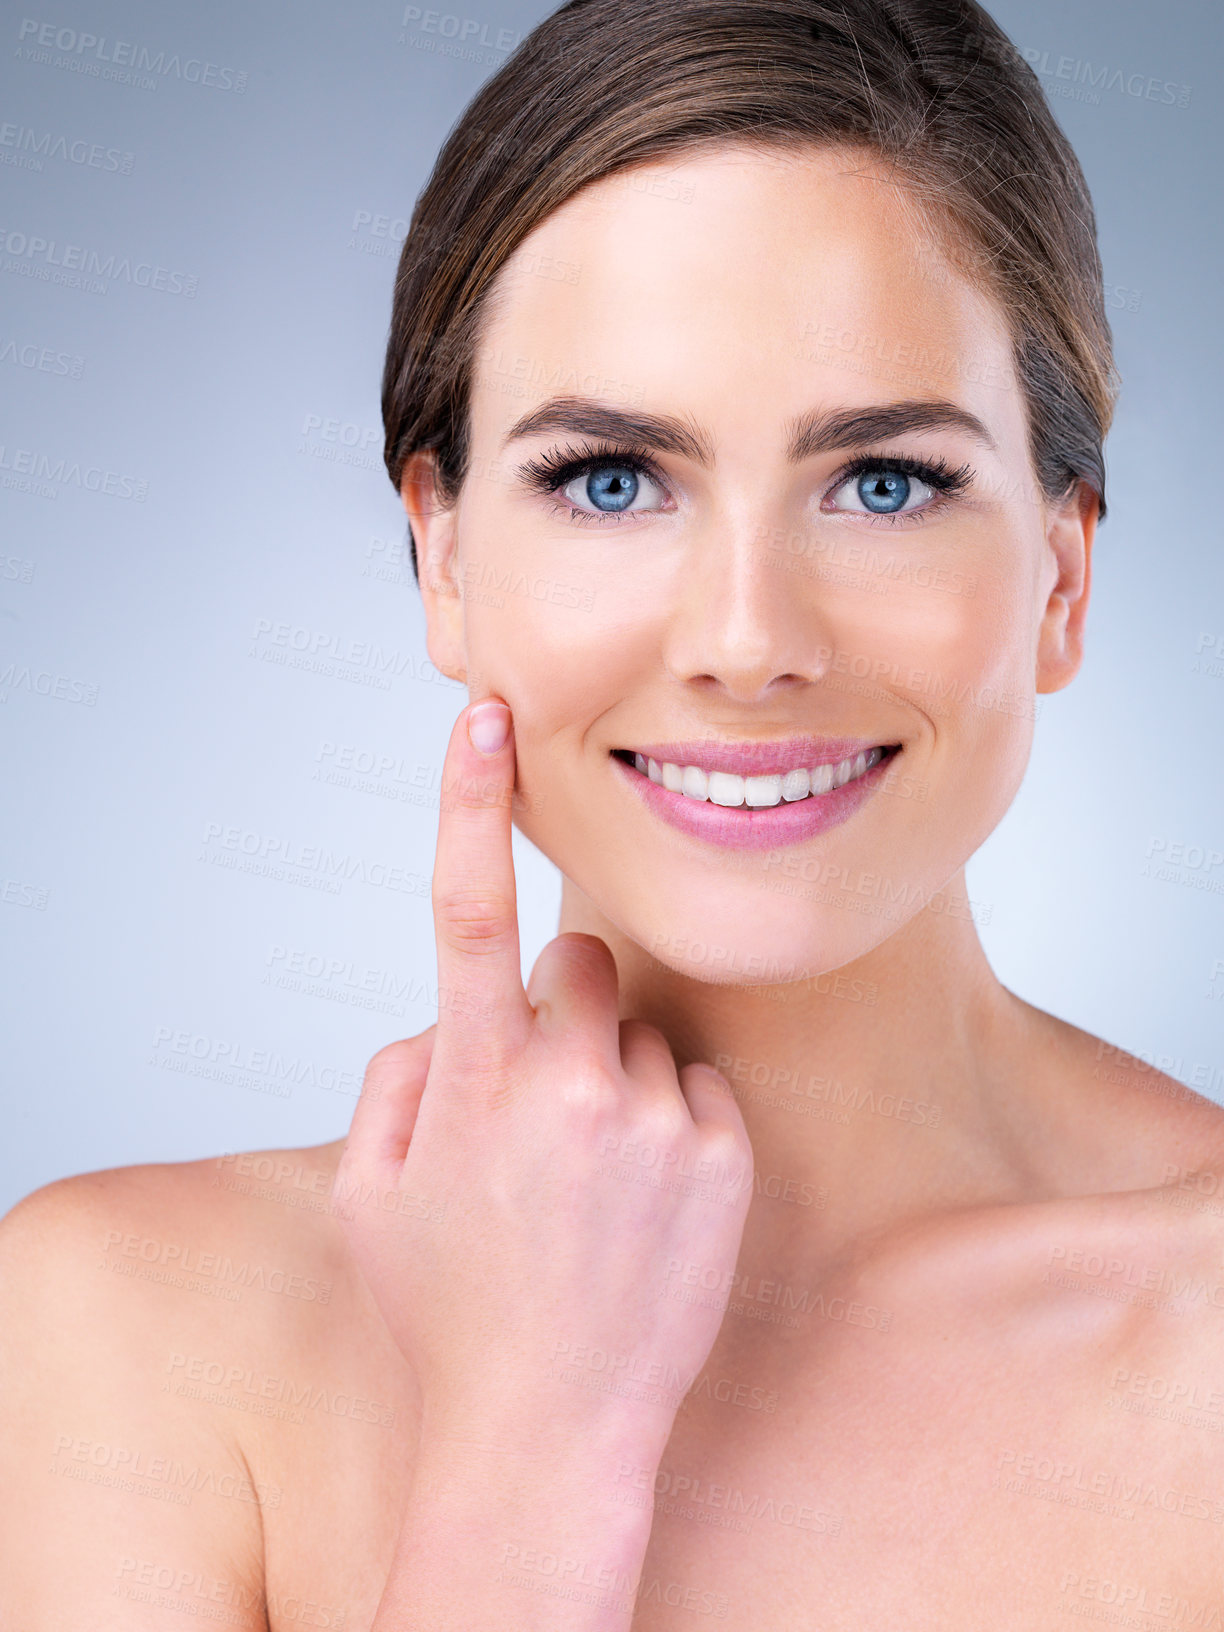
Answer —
725 788
756 792
822 778
694 783
762 790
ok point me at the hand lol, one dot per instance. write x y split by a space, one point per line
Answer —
507 1226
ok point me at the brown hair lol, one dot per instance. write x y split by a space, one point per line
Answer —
934 87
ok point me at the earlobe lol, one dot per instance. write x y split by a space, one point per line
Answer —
1070 532
435 534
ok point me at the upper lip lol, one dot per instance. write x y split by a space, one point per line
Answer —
758 758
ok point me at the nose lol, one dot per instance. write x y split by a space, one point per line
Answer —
740 622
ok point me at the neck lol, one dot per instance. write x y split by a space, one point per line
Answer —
888 1090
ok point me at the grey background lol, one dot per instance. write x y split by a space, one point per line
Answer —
144 707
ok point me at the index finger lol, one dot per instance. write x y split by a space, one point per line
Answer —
483 1011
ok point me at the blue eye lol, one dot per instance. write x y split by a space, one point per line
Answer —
607 480
611 487
884 490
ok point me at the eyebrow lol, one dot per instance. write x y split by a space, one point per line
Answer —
817 431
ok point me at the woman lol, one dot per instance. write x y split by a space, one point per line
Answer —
764 1259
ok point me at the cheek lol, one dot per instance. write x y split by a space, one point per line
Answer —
976 687
943 646
948 630
558 657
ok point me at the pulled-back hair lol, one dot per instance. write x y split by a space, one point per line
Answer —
932 87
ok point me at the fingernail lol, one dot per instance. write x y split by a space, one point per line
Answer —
489 727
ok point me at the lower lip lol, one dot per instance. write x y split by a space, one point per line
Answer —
739 827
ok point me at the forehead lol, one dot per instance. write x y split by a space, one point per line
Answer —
741 284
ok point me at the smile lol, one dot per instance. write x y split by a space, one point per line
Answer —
730 790
756 795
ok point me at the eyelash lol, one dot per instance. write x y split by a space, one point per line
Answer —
559 467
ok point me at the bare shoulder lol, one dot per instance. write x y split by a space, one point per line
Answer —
115 1287
1124 1120
1111 1228
222 1228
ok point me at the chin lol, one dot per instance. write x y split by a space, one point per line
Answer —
774 940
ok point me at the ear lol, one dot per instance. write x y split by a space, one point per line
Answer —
435 532
1070 531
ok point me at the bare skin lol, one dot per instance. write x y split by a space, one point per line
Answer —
986 1447
977 1266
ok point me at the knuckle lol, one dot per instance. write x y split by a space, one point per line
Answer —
589 1091
641 1031
662 1120
728 1144
395 1058
474 794
578 945
647 1052
579 960
474 920
700 1074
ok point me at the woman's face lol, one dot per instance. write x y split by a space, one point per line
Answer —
763 547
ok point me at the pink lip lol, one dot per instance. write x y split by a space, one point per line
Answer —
742 828
757 758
